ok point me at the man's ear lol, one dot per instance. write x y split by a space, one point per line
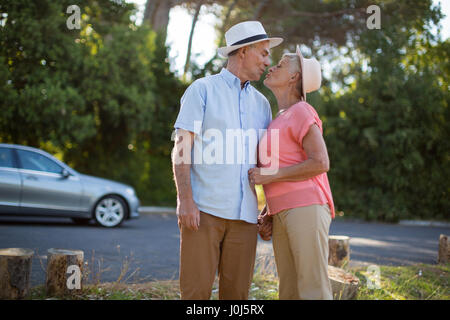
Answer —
242 51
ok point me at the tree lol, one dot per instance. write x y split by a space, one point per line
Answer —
387 128
191 35
102 96
156 14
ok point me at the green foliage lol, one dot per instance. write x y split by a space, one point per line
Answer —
37 100
386 127
103 96
387 133
104 99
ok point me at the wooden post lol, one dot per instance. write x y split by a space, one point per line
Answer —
15 272
339 251
444 249
64 271
344 285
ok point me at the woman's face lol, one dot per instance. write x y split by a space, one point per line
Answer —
279 75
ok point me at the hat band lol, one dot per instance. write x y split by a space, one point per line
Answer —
250 39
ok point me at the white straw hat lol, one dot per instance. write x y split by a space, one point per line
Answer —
244 34
311 73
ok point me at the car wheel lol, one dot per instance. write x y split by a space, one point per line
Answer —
81 221
110 211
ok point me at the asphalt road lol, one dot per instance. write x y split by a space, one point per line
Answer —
147 248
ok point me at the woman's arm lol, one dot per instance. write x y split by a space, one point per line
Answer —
317 162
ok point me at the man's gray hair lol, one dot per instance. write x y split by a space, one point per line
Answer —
232 53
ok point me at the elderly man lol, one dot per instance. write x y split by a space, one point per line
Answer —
216 205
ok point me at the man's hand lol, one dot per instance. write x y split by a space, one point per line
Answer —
188 214
265 231
264 224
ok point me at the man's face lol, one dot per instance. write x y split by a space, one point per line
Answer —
256 60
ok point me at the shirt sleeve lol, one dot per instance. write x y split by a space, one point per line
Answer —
305 117
192 108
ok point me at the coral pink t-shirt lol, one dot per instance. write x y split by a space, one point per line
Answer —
292 125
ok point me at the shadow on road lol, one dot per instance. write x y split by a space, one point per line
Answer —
55 222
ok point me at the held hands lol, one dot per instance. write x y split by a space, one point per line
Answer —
265 224
188 214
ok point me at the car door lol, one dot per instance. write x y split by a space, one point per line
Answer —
10 182
45 189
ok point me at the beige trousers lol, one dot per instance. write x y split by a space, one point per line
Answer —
226 246
300 243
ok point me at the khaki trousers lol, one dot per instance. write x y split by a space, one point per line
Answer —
226 246
300 243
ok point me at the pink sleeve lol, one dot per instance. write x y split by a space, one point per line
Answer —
305 117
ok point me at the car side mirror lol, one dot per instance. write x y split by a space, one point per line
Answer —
65 174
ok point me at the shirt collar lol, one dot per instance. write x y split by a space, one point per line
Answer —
232 80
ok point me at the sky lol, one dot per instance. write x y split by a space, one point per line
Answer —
204 41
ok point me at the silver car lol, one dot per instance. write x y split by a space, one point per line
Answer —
32 182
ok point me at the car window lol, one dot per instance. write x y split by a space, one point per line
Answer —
6 159
34 161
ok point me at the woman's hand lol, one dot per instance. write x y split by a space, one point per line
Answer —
256 176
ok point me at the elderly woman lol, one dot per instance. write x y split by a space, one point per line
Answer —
297 192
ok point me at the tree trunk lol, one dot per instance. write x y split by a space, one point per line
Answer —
191 35
156 14
344 285
225 24
149 10
339 251
64 271
15 271
222 41
444 249
257 14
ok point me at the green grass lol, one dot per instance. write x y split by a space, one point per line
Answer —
416 282
155 290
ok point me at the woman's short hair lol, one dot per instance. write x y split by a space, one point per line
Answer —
295 66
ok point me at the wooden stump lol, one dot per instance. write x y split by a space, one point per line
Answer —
444 249
15 271
344 285
339 251
64 271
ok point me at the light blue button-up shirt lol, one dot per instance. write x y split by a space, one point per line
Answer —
227 123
